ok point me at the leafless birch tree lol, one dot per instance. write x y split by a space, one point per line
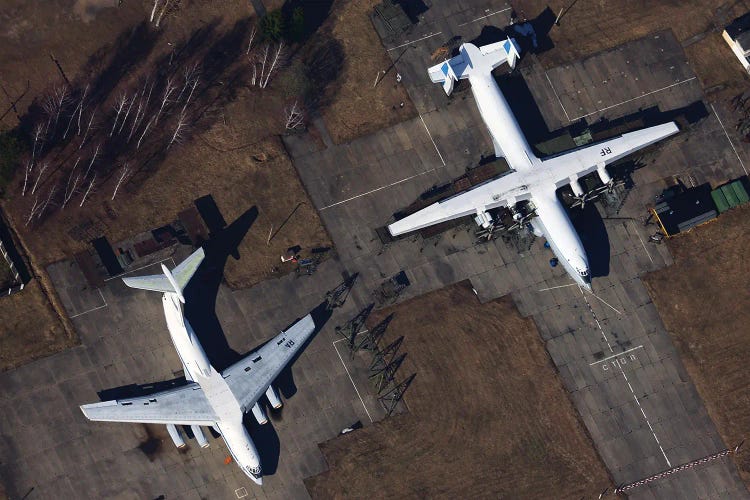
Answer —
33 210
71 187
124 173
180 128
86 132
43 168
91 163
169 89
120 103
26 174
50 195
88 190
274 65
295 116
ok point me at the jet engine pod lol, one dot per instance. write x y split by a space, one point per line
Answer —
259 414
273 397
174 433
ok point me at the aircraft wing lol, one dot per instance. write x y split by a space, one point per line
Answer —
584 160
249 378
504 191
186 405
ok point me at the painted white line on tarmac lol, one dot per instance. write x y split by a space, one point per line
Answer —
730 140
615 355
632 99
95 308
351 379
414 41
484 17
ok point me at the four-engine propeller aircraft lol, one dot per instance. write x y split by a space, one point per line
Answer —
211 398
531 178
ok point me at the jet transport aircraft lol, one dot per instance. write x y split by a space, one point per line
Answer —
211 398
531 178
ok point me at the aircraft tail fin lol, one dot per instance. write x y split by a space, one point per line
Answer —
170 281
473 59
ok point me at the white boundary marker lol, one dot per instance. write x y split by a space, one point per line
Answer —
397 182
95 308
730 140
642 243
623 102
556 287
377 189
558 97
431 139
335 348
605 303
484 17
635 98
615 355
415 41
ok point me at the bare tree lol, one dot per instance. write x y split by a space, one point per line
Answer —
91 163
191 76
180 129
38 134
190 95
127 113
81 107
274 65
88 190
120 103
51 194
153 11
43 168
77 113
71 187
168 5
124 173
295 116
59 99
169 89
145 130
26 174
33 210
250 42
88 127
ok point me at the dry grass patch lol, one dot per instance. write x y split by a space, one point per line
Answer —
30 328
704 301
488 417
358 108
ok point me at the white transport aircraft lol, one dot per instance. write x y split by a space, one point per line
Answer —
531 178
211 398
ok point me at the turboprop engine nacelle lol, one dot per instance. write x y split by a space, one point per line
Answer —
199 436
174 433
273 397
603 174
259 414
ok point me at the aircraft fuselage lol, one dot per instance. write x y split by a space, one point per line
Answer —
224 403
552 221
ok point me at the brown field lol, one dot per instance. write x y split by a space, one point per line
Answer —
704 301
237 126
590 27
31 328
488 416
358 108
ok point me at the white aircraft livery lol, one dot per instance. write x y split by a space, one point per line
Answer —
531 178
211 398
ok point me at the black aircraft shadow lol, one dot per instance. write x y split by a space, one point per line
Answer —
200 293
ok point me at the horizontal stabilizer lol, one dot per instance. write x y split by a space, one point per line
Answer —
472 59
169 282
